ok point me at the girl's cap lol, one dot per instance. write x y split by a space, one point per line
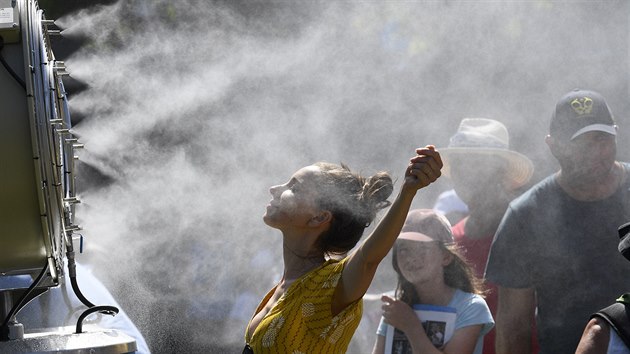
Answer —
425 225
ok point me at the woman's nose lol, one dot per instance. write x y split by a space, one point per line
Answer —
274 190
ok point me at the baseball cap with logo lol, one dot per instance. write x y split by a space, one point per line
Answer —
581 111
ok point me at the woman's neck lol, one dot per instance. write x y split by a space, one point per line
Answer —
297 263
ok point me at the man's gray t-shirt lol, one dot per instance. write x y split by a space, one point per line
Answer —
567 251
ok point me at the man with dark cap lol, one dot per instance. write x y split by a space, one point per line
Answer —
554 252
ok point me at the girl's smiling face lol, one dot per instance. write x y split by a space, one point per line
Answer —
420 261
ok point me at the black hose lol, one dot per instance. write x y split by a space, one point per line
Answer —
4 329
108 310
8 67
72 273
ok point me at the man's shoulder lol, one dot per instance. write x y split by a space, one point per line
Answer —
545 189
530 206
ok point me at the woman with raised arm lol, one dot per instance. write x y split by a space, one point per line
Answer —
322 212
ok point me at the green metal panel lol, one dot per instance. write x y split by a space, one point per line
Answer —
21 238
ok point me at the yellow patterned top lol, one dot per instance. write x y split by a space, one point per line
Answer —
301 321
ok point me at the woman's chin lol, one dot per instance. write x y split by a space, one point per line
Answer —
268 220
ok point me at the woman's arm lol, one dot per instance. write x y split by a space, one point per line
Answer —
359 271
361 266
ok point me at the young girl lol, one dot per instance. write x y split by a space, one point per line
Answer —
322 211
431 272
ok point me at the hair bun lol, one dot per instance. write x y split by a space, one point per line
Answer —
353 201
376 190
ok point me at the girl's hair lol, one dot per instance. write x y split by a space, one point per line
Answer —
457 274
353 201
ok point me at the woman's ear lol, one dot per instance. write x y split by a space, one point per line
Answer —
321 218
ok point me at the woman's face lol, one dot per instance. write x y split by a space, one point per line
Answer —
420 261
293 203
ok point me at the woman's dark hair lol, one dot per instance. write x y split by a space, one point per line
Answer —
353 201
458 274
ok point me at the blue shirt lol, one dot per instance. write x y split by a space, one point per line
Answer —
471 310
616 345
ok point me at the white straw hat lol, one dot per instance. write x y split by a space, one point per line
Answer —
483 136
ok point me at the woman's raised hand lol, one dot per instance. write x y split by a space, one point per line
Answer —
424 168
